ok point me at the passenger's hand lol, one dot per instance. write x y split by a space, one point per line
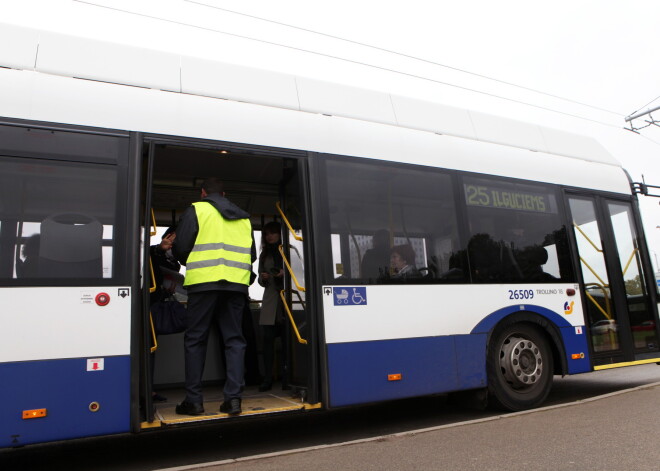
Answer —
280 274
264 276
167 242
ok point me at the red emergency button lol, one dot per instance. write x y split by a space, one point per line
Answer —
102 299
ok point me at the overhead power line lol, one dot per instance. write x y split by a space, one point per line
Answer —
373 66
401 54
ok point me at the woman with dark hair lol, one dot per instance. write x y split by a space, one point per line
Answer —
402 259
271 277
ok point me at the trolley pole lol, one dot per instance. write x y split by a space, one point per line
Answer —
650 121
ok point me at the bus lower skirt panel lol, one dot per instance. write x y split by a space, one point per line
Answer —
362 372
51 400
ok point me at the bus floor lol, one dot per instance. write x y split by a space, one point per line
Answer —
253 403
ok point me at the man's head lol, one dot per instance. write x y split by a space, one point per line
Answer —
212 185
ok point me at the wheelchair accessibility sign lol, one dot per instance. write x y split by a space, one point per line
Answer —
349 296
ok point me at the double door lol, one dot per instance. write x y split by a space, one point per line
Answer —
620 310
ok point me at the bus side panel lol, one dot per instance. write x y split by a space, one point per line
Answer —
67 390
471 360
359 372
575 343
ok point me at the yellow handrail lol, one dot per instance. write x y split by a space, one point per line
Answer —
593 300
152 288
593 272
153 223
293 323
630 260
587 237
153 333
286 221
293 276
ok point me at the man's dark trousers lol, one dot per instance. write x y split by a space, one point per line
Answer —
226 308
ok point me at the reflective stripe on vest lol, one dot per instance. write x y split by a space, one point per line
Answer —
211 260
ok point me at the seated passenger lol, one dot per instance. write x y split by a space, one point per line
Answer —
376 261
402 260
532 259
484 255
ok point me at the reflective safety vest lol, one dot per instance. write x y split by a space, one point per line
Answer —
222 250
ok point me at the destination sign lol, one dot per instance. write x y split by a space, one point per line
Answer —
491 197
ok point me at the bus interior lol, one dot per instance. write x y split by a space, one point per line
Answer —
268 186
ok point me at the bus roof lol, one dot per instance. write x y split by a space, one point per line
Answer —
64 78
75 56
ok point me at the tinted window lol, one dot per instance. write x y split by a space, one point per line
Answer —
390 224
56 220
515 233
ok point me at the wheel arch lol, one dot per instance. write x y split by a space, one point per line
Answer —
544 322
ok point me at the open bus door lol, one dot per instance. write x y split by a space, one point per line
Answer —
270 185
622 321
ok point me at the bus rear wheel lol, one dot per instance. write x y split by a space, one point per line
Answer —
520 367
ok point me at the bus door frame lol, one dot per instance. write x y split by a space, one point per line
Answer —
626 350
144 384
303 163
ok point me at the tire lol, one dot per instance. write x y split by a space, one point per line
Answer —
519 367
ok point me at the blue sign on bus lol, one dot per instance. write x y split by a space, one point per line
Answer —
349 296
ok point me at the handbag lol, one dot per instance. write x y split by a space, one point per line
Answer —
169 317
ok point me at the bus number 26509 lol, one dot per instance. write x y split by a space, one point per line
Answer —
521 294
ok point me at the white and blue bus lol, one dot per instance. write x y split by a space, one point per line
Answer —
526 246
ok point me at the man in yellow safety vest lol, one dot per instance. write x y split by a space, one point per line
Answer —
215 242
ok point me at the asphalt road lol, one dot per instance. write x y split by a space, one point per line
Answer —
220 441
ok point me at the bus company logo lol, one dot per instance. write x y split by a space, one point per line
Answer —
568 307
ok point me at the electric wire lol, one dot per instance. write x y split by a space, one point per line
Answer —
401 54
373 66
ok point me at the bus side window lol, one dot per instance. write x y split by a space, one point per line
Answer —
516 233
374 207
57 220
70 247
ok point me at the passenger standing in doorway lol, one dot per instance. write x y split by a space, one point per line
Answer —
215 243
271 277
162 258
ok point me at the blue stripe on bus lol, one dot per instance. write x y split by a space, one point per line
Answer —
65 389
574 343
490 321
358 371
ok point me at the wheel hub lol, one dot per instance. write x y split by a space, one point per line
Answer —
521 362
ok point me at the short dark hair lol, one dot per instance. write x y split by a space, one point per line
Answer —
406 252
213 185
272 227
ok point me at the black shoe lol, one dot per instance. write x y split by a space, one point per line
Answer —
158 398
265 387
231 407
190 408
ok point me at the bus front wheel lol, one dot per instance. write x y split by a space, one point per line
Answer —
519 367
